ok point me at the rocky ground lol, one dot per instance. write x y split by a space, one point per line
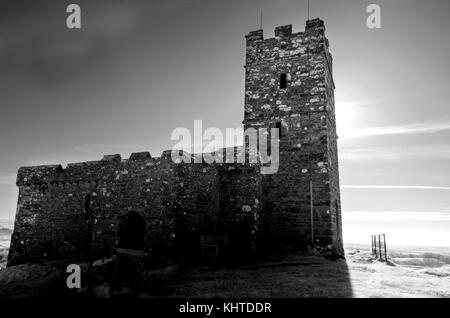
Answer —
375 279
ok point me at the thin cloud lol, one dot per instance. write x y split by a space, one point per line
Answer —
394 130
343 105
401 187
384 216
400 153
385 100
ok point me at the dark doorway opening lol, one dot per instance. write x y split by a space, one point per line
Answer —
132 231
278 126
283 81
188 247
87 206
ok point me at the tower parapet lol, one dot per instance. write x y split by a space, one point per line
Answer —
289 86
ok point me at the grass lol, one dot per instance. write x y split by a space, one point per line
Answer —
289 276
302 276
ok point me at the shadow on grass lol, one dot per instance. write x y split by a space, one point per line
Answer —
290 276
287 276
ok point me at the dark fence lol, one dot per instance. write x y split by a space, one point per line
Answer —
379 250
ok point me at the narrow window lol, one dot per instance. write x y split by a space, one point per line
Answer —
278 126
283 78
87 206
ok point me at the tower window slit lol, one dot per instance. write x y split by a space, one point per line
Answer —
283 81
278 126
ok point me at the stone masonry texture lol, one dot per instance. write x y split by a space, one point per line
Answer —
75 212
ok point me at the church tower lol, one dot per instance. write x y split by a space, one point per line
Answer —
289 86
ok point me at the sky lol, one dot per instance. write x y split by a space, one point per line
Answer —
138 69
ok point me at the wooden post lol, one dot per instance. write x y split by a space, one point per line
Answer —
371 238
385 250
379 245
371 243
374 242
312 211
375 245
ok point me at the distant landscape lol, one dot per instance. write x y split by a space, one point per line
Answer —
6 229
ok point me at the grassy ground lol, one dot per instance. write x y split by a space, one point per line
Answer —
309 276
33 280
408 275
292 276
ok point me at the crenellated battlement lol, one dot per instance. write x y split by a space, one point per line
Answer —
89 170
286 45
107 167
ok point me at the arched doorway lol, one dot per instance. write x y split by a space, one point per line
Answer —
132 231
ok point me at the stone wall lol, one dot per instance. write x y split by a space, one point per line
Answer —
76 212
304 110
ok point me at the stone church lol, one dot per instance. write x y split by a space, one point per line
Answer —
184 211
